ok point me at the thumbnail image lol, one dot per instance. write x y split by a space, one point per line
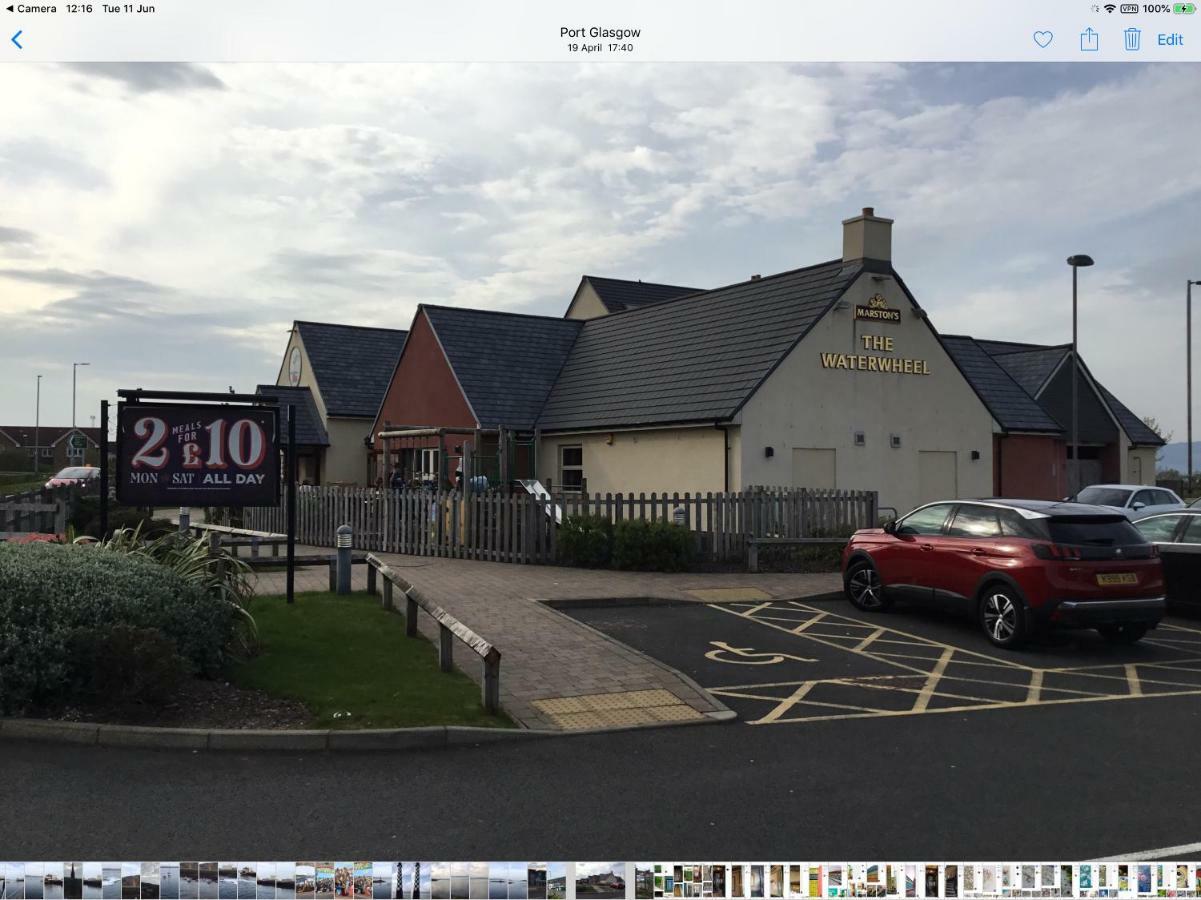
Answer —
424 876
264 881
644 881
34 872
52 881
73 881
227 880
285 880
719 881
1144 879
208 881
14 881
247 878
518 880
931 881
383 880
969 878
1086 876
1123 877
498 881
600 880
776 881
1046 876
110 878
189 880
168 877
890 883
306 880
150 881
460 881
477 875
131 876
325 881
556 881
910 881
93 881
756 879
440 881
950 880
404 880
834 877
343 878
536 881
362 878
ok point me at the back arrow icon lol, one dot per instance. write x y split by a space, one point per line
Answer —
15 41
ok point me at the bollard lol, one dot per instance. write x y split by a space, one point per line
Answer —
678 515
185 519
345 545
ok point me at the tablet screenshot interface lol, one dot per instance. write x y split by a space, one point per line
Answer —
553 451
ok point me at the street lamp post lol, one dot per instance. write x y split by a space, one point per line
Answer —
1078 261
1188 365
74 368
37 430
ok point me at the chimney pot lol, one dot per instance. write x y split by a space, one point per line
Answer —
756 277
869 210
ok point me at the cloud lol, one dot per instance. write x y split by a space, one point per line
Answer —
16 236
149 77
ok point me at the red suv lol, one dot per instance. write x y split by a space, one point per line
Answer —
1017 565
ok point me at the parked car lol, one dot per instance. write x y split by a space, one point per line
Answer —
1177 536
1135 501
1017 566
73 475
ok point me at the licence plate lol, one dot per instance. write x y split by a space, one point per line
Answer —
1117 578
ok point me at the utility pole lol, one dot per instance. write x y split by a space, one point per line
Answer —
37 430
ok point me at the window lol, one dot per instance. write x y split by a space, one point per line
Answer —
1192 531
927 520
571 468
1165 497
1103 496
1158 528
428 462
1013 525
1147 498
975 522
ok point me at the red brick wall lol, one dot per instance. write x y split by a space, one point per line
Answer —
1029 467
423 389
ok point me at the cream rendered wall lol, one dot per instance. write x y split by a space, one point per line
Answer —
346 457
586 304
1147 456
677 459
306 372
805 405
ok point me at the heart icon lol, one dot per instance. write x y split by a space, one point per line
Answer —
1043 38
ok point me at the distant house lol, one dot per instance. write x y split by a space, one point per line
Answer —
346 370
52 445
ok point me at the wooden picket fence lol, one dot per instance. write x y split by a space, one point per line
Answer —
520 528
42 511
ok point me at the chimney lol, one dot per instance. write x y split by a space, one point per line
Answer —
867 236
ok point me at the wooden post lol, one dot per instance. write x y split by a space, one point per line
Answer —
387 601
410 616
446 648
333 574
752 556
371 582
491 690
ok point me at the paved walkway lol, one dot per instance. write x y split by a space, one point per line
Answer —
557 673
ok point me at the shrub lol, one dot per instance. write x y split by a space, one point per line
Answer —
49 592
85 519
15 461
652 546
123 665
586 540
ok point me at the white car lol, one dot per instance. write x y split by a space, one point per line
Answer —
1135 501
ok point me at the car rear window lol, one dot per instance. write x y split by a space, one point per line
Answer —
1093 531
1099 496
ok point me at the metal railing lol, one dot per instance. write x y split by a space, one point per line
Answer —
449 628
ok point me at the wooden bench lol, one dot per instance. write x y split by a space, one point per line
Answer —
243 537
753 545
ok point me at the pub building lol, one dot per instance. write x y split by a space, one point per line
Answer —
827 376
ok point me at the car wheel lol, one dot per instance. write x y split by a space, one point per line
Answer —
1130 633
864 589
1002 616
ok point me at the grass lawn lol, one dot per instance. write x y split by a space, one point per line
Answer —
344 654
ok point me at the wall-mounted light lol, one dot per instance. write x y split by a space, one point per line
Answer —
609 439
975 454
860 439
769 452
894 441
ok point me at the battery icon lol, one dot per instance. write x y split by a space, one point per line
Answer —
1184 9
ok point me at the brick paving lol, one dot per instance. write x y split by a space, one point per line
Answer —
548 656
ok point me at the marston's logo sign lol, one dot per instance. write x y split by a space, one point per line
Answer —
877 310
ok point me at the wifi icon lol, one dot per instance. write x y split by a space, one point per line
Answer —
1110 7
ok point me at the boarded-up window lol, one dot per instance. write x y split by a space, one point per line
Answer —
813 467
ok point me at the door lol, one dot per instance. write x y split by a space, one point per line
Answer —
904 564
937 475
964 554
813 467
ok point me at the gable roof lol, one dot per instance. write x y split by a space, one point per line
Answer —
1006 399
1029 364
352 364
505 363
47 435
309 430
690 359
1136 429
617 294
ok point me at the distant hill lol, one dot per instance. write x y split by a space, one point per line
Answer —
1175 456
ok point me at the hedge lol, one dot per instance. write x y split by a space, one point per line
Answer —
651 546
51 596
586 541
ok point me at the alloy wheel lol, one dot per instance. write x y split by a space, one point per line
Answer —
1000 617
864 585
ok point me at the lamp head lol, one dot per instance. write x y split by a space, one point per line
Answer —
1080 260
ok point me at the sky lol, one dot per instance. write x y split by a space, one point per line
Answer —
167 222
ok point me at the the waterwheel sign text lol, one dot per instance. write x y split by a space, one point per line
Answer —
195 455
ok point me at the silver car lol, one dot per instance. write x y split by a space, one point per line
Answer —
1135 501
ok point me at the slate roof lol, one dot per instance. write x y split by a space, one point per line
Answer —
693 359
1136 429
618 294
309 430
1029 365
47 435
352 364
506 363
1008 402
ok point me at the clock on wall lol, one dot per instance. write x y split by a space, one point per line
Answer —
294 367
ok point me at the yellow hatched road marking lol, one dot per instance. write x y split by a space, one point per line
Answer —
879 632
1036 684
792 700
1136 689
927 691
